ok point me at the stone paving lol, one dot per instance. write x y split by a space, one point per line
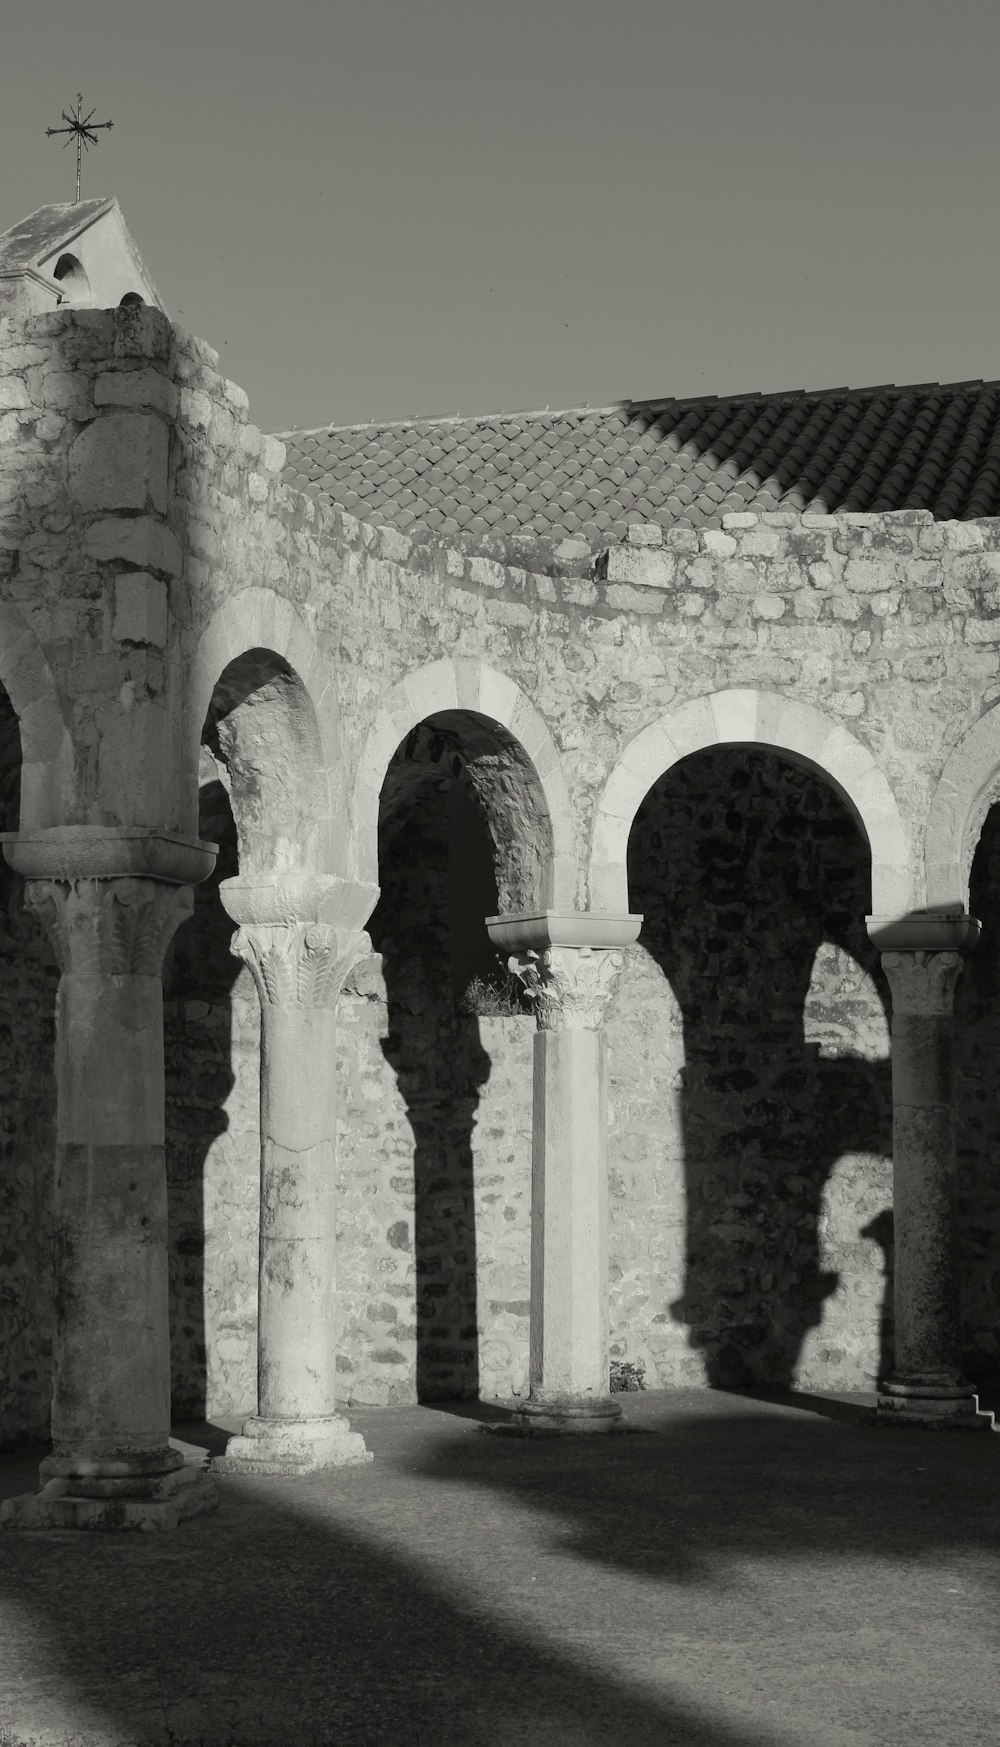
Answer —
739 1572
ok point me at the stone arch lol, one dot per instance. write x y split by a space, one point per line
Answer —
47 767
287 775
965 791
448 691
763 719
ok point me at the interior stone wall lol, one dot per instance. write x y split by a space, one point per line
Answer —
750 1117
750 1112
977 1110
750 1090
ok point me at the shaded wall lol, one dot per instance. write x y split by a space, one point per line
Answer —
751 1102
28 982
977 1102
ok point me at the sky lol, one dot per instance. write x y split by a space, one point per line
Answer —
381 208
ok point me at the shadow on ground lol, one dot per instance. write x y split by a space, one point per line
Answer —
705 1585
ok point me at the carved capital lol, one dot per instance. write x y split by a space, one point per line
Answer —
109 927
303 965
569 986
923 982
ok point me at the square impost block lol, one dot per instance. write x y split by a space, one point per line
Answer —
927 931
534 931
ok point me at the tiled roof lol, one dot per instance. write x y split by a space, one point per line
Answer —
590 472
44 230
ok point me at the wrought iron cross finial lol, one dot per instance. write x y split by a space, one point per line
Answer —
81 127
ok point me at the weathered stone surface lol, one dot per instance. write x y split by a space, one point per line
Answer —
749 1236
140 609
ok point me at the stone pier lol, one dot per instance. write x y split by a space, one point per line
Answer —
569 965
111 901
299 936
922 958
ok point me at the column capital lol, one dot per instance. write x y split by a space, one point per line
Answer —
304 965
286 900
923 983
110 927
569 987
71 852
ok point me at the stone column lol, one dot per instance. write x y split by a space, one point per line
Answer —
112 1465
299 938
569 965
922 959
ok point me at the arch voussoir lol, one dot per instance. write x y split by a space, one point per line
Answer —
744 717
257 618
965 788
458 683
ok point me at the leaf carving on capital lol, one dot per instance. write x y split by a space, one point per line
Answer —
569 987
110 927
304 965
923 982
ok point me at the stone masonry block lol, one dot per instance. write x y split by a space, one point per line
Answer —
717 544
120 463
735 716
13 394
140 331
136 388
137 540
140 609
645 534
640 567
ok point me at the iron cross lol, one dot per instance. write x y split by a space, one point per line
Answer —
82 128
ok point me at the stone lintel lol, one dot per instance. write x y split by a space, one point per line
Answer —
286 900
930 931
71 852
536 931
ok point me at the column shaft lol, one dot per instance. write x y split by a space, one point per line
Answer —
569 1216
926 1387
570 987
299 969
111 1346
111 1465
926 1296
296 1358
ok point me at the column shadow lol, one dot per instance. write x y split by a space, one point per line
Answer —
199 975
292 1615
440 1065
745 867
977 1112
29 980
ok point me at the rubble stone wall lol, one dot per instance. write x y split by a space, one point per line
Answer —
148 542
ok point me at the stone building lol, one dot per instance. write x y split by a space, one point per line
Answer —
685 710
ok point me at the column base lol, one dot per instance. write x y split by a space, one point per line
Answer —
565 1415
119 1502
931 1403
292 1446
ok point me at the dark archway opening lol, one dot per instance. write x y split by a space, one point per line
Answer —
29 978
461 836
977 1101
754 881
